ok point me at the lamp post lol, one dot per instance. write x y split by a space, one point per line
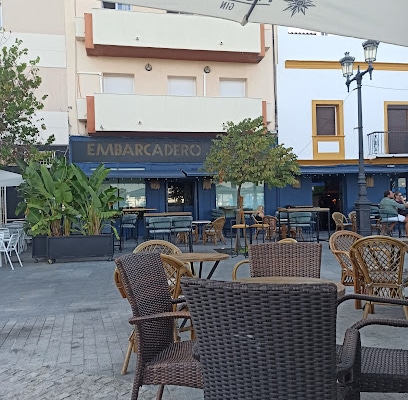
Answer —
362 204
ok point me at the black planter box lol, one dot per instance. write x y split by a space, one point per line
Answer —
39 247
74 246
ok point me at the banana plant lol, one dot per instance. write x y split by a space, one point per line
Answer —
57 196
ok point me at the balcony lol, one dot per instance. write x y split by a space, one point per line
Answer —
382 143
137 113
115 33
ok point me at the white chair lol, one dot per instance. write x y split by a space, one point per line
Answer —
7 249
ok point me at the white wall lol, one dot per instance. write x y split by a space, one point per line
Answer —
296 88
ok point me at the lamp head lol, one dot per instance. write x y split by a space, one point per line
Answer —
347 63
370 51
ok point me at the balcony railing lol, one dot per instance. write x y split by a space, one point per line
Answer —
387 142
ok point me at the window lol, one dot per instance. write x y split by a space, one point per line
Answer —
178 86
232 88
397 127
119 84
1 16
116 6
133 192
226 195
327 118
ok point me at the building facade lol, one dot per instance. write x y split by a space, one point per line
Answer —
145 92
319 118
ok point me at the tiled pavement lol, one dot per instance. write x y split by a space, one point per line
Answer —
64 331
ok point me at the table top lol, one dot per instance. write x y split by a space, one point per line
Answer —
293 280
196 257
305 209
201 222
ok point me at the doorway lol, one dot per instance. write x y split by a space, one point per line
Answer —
180 196
327 193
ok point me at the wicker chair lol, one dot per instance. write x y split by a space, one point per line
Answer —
283 259
152 246
341 221
340 243
214 230
265 341
382 370
380 260
268 226
160 360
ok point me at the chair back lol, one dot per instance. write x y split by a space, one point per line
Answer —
340 243
285 259
160 222
300 217
174 270
380 260
129 220
218 224
275 341
157 246
147 291
182 222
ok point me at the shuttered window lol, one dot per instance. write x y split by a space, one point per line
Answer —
326 120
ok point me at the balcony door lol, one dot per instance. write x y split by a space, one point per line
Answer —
397 128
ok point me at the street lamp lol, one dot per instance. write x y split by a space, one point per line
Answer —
362 204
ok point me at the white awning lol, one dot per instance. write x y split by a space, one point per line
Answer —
382 20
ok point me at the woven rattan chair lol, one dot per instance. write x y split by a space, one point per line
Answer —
264 341
340 243
160 360
152 246
383 370
380 260
341 221
214 230
283 259
268 226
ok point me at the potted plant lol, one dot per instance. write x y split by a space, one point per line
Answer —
66 210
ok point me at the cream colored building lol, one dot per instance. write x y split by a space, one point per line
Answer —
144 91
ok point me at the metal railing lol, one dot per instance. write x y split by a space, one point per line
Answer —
391 142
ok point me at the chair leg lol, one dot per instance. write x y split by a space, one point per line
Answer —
131 346
405 311
160 392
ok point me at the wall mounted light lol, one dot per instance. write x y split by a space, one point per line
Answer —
155 185
207 69
207 184
148 67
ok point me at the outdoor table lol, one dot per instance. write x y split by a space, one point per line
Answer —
294 280
201 257
200 223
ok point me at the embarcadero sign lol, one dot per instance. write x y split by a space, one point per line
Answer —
139 150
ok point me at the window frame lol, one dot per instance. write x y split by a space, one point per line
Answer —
339 116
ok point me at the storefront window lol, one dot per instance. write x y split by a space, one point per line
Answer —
227 195
133 192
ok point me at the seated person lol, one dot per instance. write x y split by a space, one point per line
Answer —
389 211
259 213
399 198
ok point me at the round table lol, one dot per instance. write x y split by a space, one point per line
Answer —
294 280
201 257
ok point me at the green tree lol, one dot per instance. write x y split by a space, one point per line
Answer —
248 152
19 125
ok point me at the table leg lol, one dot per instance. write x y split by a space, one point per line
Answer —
214 267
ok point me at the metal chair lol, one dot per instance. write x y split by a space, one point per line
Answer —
380 261
160 360
267 341
160 226
7 247
303 223
129 223
182 230
283 259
